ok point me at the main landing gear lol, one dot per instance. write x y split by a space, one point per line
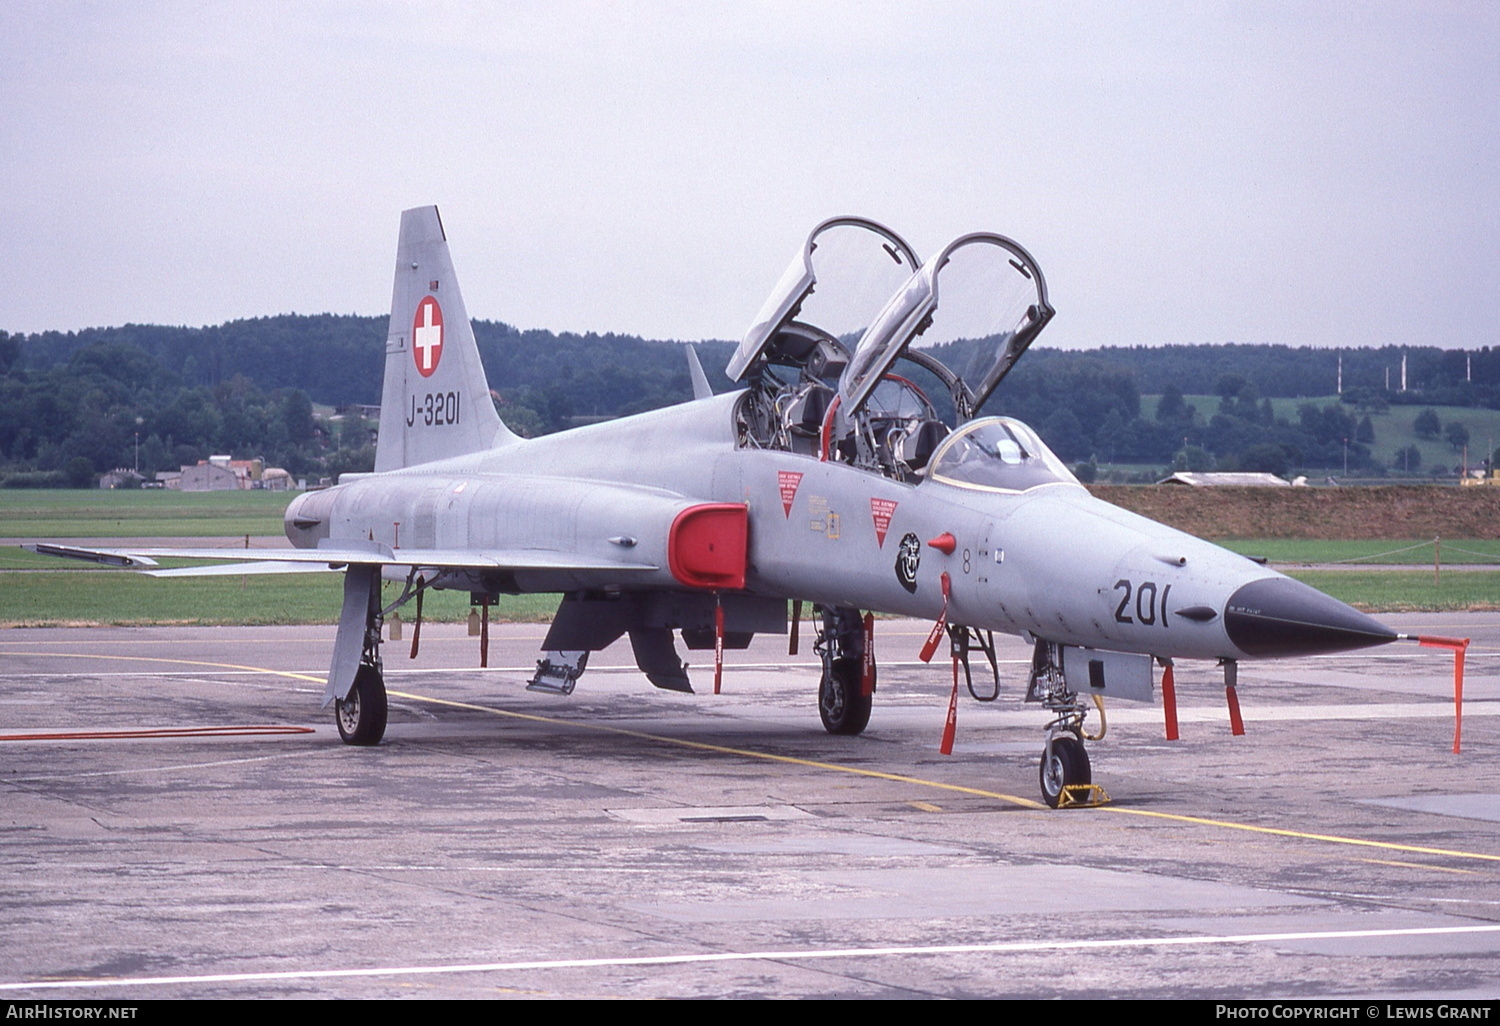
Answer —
356 685
844 701
1065 775
361 717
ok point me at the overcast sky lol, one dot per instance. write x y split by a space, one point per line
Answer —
1307 173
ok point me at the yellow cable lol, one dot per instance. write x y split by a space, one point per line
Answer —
1103 724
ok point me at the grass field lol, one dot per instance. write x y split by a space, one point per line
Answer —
1417 551
149 513
1398 591
121 597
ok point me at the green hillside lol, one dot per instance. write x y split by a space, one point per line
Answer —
1393 428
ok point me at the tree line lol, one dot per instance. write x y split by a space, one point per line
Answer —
76 404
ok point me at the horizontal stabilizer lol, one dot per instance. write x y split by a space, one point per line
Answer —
109 557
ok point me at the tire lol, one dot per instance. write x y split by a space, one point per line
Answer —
1069 766
840 703
361 718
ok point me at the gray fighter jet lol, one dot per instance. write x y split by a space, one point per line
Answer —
851 471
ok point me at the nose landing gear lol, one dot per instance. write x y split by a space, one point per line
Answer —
1065 775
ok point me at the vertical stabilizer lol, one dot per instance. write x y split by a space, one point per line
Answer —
436 400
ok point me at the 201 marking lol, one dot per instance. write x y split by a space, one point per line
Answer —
1147 606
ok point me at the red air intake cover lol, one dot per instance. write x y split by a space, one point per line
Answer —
707 547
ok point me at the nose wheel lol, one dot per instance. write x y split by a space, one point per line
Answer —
1065 764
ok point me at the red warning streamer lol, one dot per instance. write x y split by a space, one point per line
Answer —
416 631
1169 701
867 675
950 725
718 643
1236 722
1459 646
936 635
484 633
110 735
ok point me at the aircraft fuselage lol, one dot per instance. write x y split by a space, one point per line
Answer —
1051 561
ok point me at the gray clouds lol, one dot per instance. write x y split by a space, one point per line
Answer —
1320 174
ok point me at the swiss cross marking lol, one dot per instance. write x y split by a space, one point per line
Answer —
427 336
787 481
881 511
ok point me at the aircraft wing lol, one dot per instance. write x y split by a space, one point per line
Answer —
337 556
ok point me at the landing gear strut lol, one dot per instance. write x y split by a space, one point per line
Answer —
842 702
359 707
1065 775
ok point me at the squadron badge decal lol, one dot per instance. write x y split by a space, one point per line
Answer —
908 558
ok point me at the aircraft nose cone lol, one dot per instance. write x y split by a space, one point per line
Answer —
1277 616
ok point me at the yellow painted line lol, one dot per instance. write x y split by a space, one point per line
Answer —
815 764
746 753
179 662
926 806
940 785
1419 865
1279 832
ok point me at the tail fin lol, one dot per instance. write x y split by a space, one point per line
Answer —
436 400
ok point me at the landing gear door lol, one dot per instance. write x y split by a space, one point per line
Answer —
1116 674
852 264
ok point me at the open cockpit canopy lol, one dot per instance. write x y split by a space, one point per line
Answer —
826 298
821 354
983 291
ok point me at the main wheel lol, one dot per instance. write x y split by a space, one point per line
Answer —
1068 764
841 703
361 717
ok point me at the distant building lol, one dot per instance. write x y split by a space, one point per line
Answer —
224 474
121 477
1184 477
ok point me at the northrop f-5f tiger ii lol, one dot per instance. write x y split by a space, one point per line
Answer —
851 471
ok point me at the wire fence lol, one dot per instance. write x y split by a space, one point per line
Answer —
1436 545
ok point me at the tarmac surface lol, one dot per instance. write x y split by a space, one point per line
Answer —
625 842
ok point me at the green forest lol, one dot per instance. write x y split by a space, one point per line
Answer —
74 405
